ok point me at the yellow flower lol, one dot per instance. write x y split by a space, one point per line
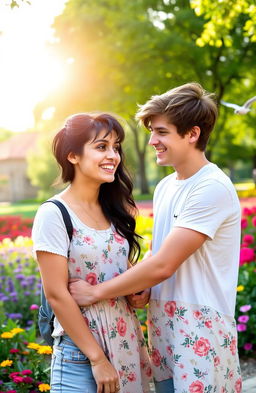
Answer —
43 387
7 335
6 363
16 331
44 350
240 288
33 346
143 328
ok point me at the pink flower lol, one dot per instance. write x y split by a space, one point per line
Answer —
169 350
254 221
17 379
156 357
243 318
201 346
118 238
26 372
241 327
233 346
231 374
14 350
249 239
244 223
131 377
34 307
184 376
27 380
89 240
208 324
148 372
197 314
158 331
246 255
238 385
246 211
91 278
248 346
245 308
196 387
121 327
170 308
216 361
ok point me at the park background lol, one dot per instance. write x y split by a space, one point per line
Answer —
63 57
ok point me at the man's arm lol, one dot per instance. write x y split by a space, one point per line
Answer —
176 248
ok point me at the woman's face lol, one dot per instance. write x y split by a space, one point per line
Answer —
99 160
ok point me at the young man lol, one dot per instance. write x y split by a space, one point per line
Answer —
194 264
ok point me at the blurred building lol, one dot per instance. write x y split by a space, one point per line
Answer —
14 183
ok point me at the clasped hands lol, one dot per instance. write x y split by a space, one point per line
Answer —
85 294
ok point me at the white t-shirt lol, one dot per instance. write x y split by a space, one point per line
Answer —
206 202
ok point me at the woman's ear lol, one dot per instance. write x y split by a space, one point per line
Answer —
72 158
194 134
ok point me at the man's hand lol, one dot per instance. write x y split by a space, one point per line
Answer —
82 292
139 300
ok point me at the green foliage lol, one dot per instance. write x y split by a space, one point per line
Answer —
222 19
42 168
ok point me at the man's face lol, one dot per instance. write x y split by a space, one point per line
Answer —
171 149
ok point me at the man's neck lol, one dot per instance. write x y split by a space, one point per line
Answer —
191 167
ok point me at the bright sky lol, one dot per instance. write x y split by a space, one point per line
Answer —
28 69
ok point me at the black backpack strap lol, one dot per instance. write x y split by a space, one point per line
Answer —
66 217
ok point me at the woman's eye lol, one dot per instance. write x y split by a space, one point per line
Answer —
116 149
101 147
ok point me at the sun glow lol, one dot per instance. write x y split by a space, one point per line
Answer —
29 70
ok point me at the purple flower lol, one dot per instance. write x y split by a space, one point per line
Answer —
27 293
243 318
15 316
19 276
248 346
245 308
241 327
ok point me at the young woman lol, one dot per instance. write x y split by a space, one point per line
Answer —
99 348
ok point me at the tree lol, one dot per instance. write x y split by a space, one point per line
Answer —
223 17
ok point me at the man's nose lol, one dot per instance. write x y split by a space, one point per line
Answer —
153 139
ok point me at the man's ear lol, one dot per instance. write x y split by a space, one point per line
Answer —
194 134
73 158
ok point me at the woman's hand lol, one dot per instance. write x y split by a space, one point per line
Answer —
139 300
81 291
105 376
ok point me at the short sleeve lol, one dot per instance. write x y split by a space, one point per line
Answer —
49 232
206 208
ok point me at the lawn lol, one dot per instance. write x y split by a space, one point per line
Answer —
23 209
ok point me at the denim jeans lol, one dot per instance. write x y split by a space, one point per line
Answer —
164 386
70 369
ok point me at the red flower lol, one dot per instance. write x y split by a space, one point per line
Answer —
91 278
244 223
156 357
14 350
121 327
216 361
197 314
208 324
170 308
196 387
201 347
238 385
233 346
131 377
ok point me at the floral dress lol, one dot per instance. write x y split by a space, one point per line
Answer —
97 256
196 345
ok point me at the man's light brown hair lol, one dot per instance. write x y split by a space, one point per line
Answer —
185 106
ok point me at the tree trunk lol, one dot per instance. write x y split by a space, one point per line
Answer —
141 155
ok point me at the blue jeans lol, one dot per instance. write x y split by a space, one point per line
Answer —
70 369
164 386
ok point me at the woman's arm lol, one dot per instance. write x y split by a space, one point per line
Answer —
54 274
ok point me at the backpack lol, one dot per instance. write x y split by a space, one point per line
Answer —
45 314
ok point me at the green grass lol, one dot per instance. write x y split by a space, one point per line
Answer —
27 210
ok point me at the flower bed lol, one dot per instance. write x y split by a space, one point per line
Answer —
14 226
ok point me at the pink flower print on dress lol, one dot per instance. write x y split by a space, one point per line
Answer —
158 331
118 238
121 327
238 385
156 357
170 308
148 371
233 346
208 323
201 346
91 278
78 270
197 314
131 377
196 387
169 350
89 240
216 361
72 260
